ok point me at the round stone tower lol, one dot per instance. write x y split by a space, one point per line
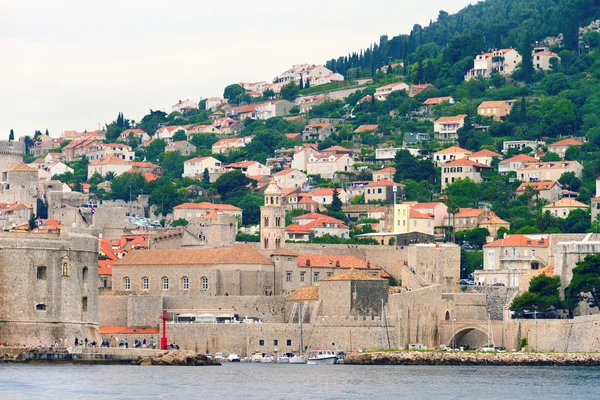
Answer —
272 219
48 288
11 153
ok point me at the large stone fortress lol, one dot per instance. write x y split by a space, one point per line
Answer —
48 287
11 153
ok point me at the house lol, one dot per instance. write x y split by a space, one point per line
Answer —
79 147
541 58
421 222
384 174
484 157
462 169
53 169
382 92
195 167
548 171
138 133
467 218
184 106
226 146
324 196
182 146
318 225
367 128
12 214
434 101
298 233
551 191
497 110
493 223
339 150
213 103
361 211
384 190
438 209
327 165
561 146
119 150
315 74
110 163
306 103
519 145
414 90
271 109
446 128
248 168
146 167
290 178
227 125
561 208
167 132
319 132
189 211
322 80
302 155
503 61
506 259
449 154
514 163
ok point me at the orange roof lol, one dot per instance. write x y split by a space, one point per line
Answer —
385 170
109 159
466 161
494 219
207 206
336 148
366 128
451 119
307 200
549 165
105 267
517 241
427 205
384 182
566 142
492 104
453 149
305 293
295 228
539 185
21 167
125 330
292 135
286 171
417 215
330 261
519 157
198 159
484 153
436 100
352 275
470 212
150 176
566 202
323 222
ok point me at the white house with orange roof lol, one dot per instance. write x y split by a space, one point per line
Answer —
317 225
484 156
119 150
434 101
79 148
369 128
327 165
492 223
506 259
290 178
548 171
306 103
436 208
384 190
462 169
466 218
226 146
53 169
138 133
561 208
561 146
382 92
446 128
319 131
514 163
551 191
421 222
450 154
324 196
110 163
384 174
227 125
301 157
503 61
497 110
248 168
541 58
184 106
195 167
167 132
189 211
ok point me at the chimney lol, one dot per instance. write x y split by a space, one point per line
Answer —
337 263
308 262
368 264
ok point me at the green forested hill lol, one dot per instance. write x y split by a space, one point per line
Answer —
489 24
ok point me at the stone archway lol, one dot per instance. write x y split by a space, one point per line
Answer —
470 338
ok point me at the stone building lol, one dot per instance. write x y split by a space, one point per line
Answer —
49 287
237 271
353 292
272 219
11 153
215 229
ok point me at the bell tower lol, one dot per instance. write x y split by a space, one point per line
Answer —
272 219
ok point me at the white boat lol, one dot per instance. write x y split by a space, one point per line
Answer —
233 358
340 354
268 358
299 359
321 356
284 358
220 357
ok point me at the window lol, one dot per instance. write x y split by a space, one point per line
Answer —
40 307
84 304
186 283
315 277
165 282
288 342
329 273
126 283
145 283
204 281
379 190
261 342
41 273
275 342
302 276
84 274
288 276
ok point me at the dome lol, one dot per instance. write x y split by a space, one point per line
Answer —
273 190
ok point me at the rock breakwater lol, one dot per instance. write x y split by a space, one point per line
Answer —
469 358
176 357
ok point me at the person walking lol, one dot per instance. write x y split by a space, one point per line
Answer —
76 341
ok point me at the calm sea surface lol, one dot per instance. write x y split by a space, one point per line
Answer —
262 381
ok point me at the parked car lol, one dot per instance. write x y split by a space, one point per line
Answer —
467 246
497 284
553 314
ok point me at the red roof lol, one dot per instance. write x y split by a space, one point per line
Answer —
484 153
436 100
295 228
330 261
207 206
384 182
386 170
366 128
519 157
539 185
566 142
417 215
451 119
453 149
466 161
470 212
427 205
104 267
517 241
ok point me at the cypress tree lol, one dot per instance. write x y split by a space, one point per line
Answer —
527 63
301 82
11 136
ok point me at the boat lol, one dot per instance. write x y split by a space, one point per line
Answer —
268 358
257 357
284 358
220 357
321 356
233 358
299 358
340 354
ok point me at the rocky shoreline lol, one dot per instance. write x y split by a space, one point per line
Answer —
478 358
176 357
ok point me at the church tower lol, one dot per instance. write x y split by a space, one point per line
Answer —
272 219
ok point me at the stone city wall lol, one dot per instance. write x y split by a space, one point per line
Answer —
498 298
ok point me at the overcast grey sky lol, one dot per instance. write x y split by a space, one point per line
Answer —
73 64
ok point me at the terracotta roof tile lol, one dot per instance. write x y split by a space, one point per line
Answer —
207 206
517 241
305 293
352 275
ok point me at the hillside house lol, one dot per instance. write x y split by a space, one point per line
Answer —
290 178
382 92
188 211
497 110
561 146
108 164
550 191
184 106
548 171
450 154
320 131
384 174
248 168
194 168
514 163
462 169
184 147
326 165
446 128
484 157
561 208
384 190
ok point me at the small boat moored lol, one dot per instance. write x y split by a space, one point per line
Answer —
321 356
233 358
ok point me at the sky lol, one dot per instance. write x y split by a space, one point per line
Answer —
74 65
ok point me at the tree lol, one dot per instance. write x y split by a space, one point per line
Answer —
585 284
110 175
561 119
32 222
335 208
205 177
11 136
268 94
165 197
570 181
180 222
527 63
179 135
126 185
301 85
149 122
542 294
155 149
230 184
47 133
531 192
290 91
566 57
233 93
550 157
